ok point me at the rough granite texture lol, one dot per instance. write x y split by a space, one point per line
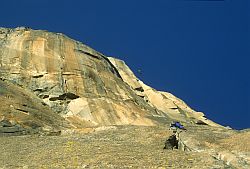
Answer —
95 113
81 84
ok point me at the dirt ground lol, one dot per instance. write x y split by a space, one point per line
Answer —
117 147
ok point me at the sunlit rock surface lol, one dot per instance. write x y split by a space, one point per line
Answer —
74 80
52 85
164 102
82 85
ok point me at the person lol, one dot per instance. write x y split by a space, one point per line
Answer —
174 126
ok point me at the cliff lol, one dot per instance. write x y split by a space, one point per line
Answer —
82 85
103 115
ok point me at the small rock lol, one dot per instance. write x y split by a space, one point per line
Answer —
5 123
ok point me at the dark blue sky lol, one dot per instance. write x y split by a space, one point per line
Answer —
197 50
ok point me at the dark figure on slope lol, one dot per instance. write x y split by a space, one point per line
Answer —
172 141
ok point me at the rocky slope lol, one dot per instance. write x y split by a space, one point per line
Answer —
53 85
116 147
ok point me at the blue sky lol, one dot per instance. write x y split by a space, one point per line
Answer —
197 50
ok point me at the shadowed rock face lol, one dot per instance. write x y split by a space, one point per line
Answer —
22 112
82 85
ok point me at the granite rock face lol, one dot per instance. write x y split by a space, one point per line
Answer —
53 85
164 102
83 86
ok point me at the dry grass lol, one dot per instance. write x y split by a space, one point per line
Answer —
119 147
238 142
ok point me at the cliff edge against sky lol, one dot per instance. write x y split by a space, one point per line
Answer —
82 85
53 85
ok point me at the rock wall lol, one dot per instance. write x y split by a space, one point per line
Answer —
163 102
82 85
71 78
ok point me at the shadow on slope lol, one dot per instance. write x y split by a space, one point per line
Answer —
22 112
